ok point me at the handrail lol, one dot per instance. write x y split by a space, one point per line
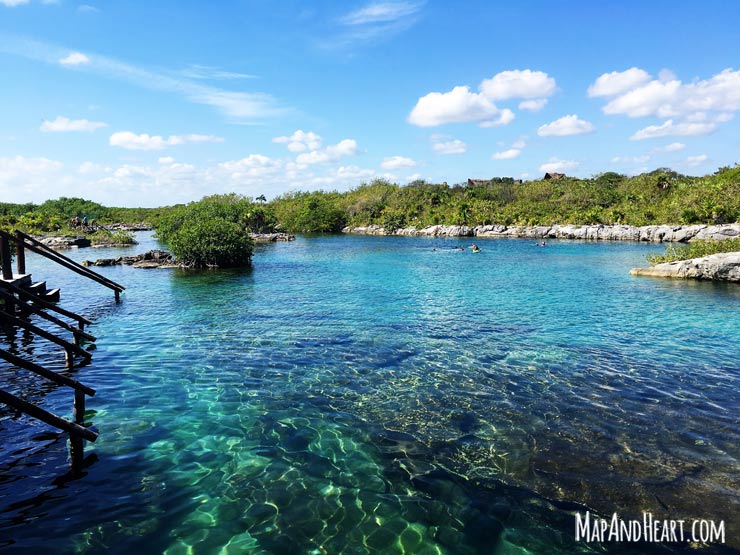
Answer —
59 379
47 417
39 248
34 310
45 334
43 303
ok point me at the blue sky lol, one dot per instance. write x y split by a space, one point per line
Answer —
152 103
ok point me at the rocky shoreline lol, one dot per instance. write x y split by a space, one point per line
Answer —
724 266
149 259
648 233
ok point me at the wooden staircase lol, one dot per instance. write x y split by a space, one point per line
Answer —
22 301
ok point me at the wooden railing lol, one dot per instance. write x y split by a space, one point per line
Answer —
17 305
24 241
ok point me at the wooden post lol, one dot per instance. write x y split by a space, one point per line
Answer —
69 358
78 410
76 453
117 293
5 254
20 255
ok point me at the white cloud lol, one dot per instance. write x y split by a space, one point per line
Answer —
617 82
507 154
74 59
375 22
380 12
61 124
13 3
458 105
208 72
518 84
17 165
89 167
631 159
300 141
239 107
567 125
556 165
668 129
166 160
395 162
668 97
520 143
144 141
450 147
533 105
346 147
693 161
505 117
87 8
673 147
462 105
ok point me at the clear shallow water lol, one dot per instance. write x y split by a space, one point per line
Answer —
373 395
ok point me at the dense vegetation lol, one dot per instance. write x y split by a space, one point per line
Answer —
55 216
213 232
659 197
696 249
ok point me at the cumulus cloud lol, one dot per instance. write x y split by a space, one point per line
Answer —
13 3
556 165
518 84
455 146
463 105
617 82
668 129
668 97
533 105
505 117
144 141
673 147
507 154
693 161
567 125
62 124
74 59
332 153
300 141
455 106
395 162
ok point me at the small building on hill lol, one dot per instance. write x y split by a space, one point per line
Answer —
478 182
554 175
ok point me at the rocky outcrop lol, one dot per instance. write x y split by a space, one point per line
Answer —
271 237
63 241
150 259
649 233
723 266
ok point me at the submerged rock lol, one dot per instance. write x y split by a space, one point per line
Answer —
150 259
723 266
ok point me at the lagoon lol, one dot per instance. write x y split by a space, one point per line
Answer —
355 394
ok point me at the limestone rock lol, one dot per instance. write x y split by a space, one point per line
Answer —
723 266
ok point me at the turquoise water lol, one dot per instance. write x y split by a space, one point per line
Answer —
363 395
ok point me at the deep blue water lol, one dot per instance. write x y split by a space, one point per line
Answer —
382 395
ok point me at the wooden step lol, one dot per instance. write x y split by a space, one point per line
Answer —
51 296
38 288
19 280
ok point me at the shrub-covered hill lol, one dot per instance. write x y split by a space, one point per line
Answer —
659 197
